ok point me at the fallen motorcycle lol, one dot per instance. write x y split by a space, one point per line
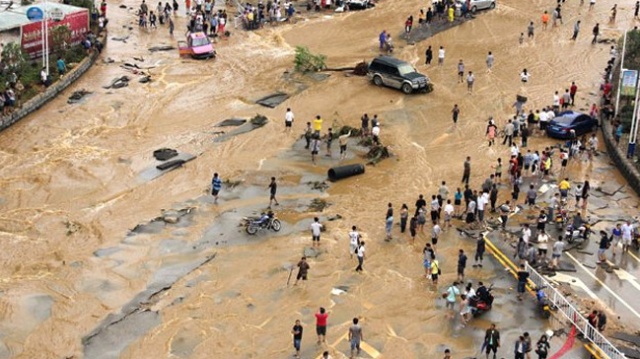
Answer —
265 221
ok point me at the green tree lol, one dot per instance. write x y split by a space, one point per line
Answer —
306 61
61 39
14 57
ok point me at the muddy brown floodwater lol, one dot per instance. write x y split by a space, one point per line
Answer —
71 188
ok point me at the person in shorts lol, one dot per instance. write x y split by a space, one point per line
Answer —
288 120
616 237
426 262
316 228
321 325
303 270
452 294
448 214
435 233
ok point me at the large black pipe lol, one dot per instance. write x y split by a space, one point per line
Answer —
338 173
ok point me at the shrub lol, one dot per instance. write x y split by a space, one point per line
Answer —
306 61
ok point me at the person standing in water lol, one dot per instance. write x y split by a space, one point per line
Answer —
216 185
321 325
297 337
441 56
288 120
490 60
454 113
273 188
316 229
342 141
429 56
303 270
355 337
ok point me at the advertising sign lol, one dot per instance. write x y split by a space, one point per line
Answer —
31 38
629 81
35 13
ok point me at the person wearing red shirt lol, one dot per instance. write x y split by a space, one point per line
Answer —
572 92
321 325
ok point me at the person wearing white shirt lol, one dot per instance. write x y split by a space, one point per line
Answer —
288 120
526 233
448 213
316 228
441 56
375 132
550 115
544 120
524 76
543 240
556 101
514 149
482 201
354 240
627 230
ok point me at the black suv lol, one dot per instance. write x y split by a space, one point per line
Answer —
389 71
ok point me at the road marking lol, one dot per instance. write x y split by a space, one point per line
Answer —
604 285
633 256
624 275
573 281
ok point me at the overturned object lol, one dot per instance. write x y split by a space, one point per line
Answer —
164 154
338 173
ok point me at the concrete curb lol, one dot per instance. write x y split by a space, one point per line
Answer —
626 167
53 90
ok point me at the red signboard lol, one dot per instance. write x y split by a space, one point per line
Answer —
77 22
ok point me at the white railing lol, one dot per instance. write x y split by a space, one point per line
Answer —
602 345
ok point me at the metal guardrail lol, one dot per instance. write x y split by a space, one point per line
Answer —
601 344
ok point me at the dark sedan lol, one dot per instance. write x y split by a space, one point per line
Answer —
561 125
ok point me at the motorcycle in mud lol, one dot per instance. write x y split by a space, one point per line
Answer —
265 221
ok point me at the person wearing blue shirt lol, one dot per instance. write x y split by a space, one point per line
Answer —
62 67
216 185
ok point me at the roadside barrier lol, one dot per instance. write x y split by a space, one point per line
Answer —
601 345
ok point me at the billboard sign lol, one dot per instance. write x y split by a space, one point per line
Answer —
629 82
31 37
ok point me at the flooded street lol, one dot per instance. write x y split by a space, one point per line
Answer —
88 273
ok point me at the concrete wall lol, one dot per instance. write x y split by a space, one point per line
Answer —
626 166
52 91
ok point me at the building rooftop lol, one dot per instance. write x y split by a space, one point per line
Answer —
16 15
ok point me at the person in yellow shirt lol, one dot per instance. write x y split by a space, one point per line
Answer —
435 269
564 187
451 12
317 125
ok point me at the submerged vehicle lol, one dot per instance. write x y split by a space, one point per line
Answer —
197 46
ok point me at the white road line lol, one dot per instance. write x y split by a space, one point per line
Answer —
604 285
574 282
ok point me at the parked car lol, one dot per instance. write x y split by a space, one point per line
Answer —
563 123
391 72
482 5
476 5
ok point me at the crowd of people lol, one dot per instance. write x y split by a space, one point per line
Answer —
524 169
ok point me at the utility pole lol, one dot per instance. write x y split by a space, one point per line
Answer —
624 46
633 132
